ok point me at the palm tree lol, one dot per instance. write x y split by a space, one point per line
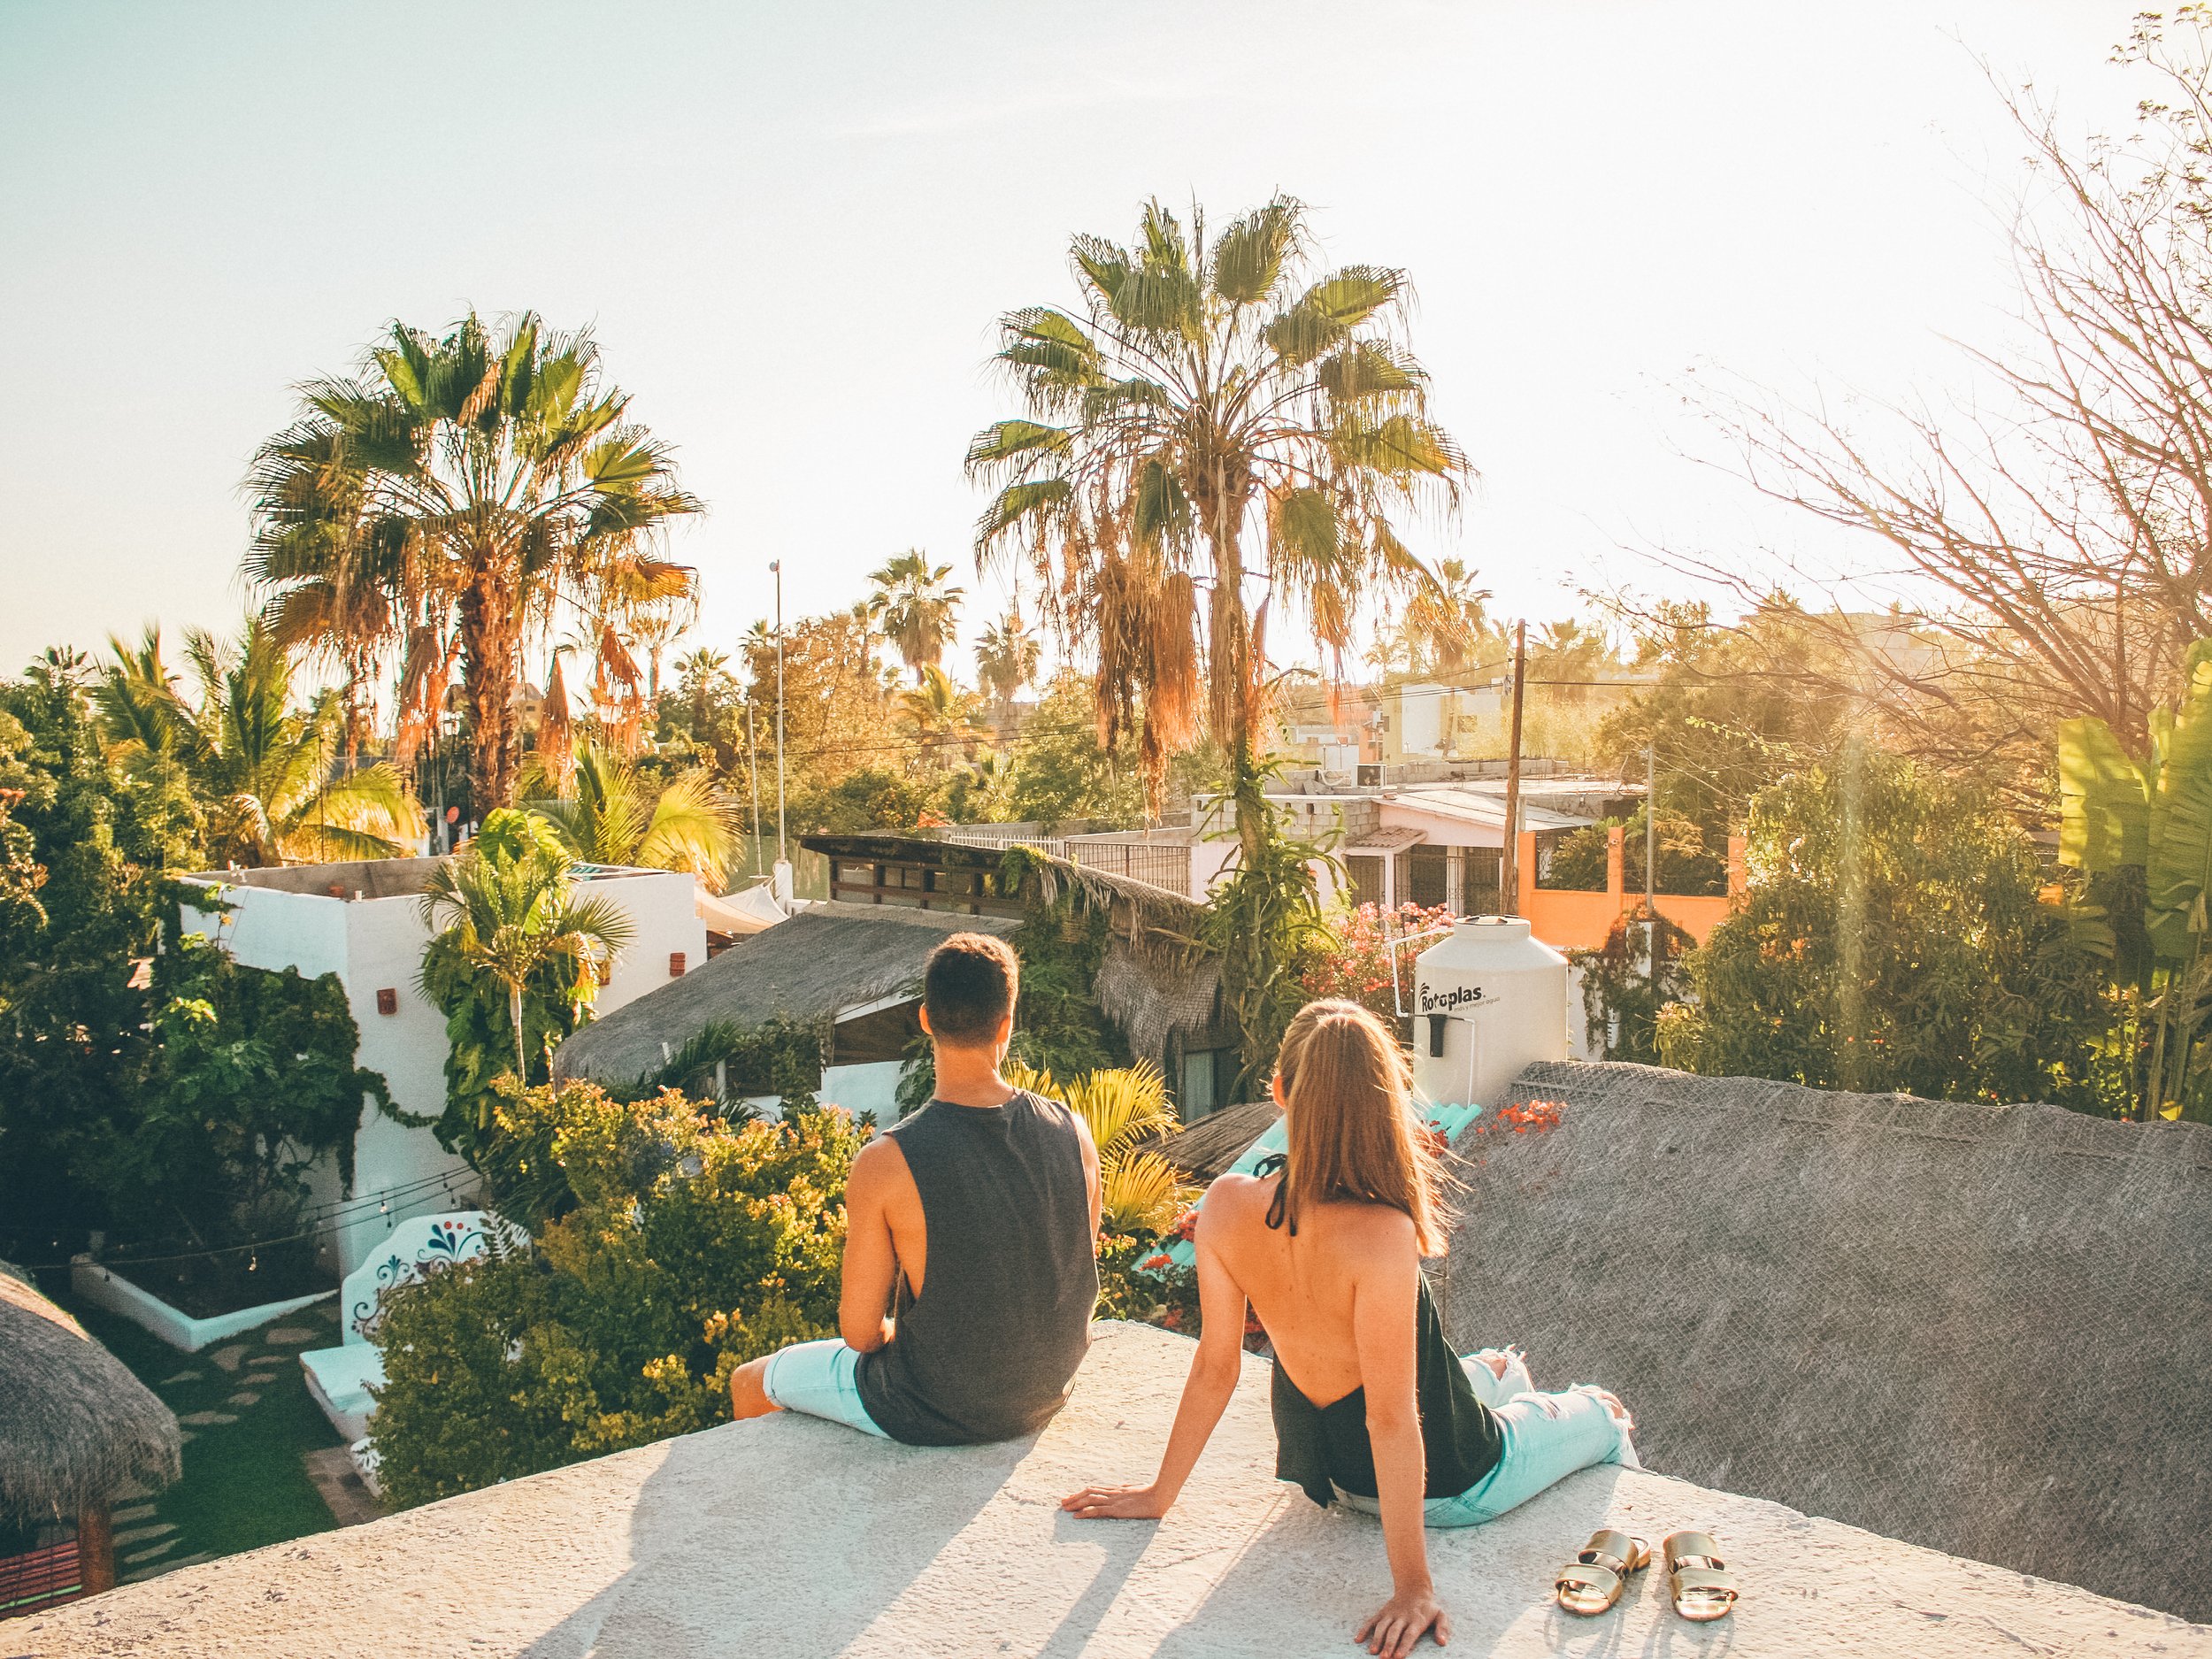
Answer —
705 674
989 796
606 813
1006 659
1123 1107
1568 656
1214 415
938 715
458 489
261 768
914 608
1447 620
506 907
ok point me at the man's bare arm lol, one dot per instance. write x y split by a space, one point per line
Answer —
872 1262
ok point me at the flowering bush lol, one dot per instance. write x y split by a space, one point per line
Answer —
1140 1279
1357 966
694 1245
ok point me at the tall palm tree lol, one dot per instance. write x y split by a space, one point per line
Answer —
938 715
507 907
916 608
1006 659
705 674
261 769
466 484
1214 415
1447 620
606 813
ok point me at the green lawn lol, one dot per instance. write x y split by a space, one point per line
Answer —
244 1485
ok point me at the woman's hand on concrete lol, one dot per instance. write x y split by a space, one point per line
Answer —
1393 1631
1147 1503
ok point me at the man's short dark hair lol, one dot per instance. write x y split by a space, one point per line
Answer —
968 988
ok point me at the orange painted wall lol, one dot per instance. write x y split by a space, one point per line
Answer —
1581 921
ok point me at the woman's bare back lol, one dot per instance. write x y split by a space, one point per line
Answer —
1303 1288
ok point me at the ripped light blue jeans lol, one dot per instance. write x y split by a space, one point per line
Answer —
1547 1437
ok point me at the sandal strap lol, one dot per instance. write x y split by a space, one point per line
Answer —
1681 1544
1704 1578
1613 1545
1589 1575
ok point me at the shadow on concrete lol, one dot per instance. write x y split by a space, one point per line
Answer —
1274 1601
786 1535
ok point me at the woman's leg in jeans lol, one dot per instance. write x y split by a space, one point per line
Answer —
1547 1437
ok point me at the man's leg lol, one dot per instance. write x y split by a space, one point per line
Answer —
748 1393
818 1378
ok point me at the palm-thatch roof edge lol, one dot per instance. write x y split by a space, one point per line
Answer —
805 970
1984 1329
79 1429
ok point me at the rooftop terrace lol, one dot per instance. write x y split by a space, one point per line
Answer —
791 1537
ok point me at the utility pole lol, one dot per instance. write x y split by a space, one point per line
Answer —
782 887
1510 863
752 771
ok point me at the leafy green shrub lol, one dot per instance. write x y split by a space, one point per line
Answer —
1686 865
695 1246
1894 936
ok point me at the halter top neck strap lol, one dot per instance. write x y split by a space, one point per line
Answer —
1278 1207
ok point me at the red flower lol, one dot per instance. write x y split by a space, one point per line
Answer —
1154 1263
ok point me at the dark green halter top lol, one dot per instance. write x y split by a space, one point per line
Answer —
1320 1448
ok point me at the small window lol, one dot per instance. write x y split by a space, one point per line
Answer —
1200 1073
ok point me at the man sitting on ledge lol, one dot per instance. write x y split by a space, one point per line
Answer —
973 1221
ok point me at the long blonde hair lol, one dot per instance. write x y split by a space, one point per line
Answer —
1348 1099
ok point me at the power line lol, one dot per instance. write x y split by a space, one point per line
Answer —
249 1245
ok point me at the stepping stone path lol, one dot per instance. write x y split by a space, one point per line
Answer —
228 1385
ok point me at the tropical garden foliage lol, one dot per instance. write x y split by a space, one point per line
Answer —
148 1087
695 1244
513 963
1895 936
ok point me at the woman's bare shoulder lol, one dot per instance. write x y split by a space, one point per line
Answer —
1375 1231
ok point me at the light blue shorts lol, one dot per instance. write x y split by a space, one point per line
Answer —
823 1380
1547 1437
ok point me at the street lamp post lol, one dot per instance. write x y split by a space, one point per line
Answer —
782 887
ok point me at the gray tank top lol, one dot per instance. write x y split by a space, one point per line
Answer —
987 1349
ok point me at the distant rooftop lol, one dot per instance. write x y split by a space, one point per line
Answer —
795 1537
367 877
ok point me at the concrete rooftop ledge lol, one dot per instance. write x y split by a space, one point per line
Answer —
795 1537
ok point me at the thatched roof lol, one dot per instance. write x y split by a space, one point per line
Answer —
1983 1329
827 958
1209 1147
76 1427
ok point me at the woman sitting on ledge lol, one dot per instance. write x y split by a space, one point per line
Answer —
1372 1407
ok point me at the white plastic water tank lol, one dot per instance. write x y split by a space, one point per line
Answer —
1488 999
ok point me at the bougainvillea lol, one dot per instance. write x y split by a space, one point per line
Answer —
1358 965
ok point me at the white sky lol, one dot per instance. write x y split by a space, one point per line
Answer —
793 227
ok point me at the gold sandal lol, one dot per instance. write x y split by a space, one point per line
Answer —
1702 1587
1593 1581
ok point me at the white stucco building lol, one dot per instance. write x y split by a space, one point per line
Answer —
363 922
